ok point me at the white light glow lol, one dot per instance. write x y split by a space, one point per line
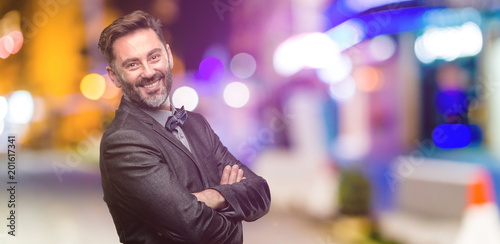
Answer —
21 107
422 54
3 108
337 71
2 126
236 94
449 43
312 50
185 96
382 47
285 61
472 39
343 90
243 65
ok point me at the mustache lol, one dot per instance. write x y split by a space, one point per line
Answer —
144 81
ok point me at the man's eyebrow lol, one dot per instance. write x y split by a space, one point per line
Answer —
128 60
154 51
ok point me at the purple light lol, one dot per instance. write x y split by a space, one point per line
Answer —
210 69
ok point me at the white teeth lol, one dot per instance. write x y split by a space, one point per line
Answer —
151 85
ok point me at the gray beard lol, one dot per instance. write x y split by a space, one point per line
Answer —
133 94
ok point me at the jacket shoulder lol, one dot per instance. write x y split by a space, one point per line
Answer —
125 122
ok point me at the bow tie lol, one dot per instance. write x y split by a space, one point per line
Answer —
180 115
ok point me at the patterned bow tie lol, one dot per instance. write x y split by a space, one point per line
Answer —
180 115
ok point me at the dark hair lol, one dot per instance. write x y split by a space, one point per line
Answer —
123 26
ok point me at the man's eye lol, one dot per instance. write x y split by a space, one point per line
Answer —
155 57
132 65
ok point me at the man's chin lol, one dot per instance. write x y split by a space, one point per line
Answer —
154 102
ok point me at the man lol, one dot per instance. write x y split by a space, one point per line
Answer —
167 178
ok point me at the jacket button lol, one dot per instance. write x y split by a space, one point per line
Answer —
160 234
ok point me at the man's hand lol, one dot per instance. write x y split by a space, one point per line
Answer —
231 175
213 198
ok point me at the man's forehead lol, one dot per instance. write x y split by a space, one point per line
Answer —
136 43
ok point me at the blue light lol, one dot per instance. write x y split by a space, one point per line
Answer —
347 34
394 21
476 134
372 24
211 69
451 17
452 102
452 136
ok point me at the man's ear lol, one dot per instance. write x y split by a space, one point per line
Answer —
170 57
112 76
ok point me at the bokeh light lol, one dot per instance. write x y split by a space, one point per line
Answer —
382 47
3 108
367 78
236 94
421 52
21 107
219 51
337 71
18 39
4 44
451 136
343 90
11 38
347 34
449 43
93 86
211 69
311 50
10 44
285 61
243 65
185 96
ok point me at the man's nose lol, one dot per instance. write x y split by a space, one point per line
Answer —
148 71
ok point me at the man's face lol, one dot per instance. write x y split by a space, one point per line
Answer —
143 68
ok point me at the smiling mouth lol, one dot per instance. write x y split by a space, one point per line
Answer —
152 84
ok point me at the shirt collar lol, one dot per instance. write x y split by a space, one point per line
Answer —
160 115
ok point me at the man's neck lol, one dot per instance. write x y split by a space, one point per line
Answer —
166 105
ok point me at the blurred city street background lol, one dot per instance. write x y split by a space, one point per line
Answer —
373 121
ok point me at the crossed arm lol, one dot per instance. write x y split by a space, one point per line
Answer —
133 171
215 199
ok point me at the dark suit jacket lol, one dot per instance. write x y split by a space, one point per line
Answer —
148 176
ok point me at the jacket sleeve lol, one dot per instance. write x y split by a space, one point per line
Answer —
143 184
248 199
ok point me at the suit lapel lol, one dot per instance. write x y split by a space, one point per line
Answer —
127 106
